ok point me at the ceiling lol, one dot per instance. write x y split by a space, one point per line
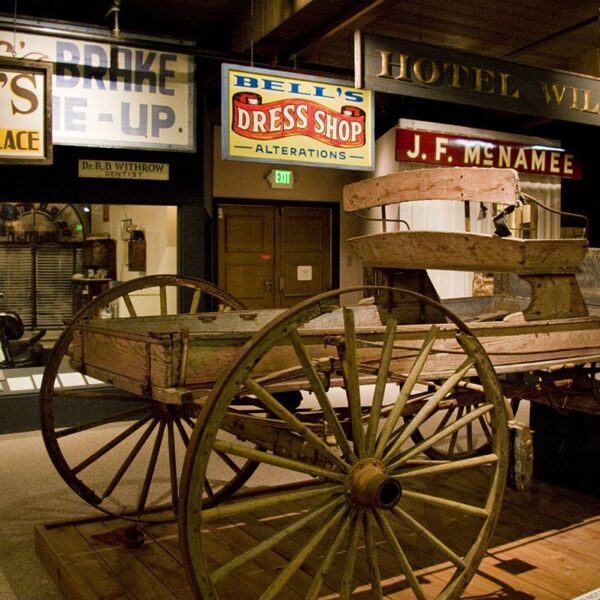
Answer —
317 35
548 33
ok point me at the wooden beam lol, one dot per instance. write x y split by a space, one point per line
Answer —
457 183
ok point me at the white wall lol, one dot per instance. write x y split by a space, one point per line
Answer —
160 227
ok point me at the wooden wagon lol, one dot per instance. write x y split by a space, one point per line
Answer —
363 414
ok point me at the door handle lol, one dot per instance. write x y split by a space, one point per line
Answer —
268 285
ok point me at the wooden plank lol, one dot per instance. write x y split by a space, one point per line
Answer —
75 566
463 251
125 563
545 542
499 186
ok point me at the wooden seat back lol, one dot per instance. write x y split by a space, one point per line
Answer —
549 265
498 186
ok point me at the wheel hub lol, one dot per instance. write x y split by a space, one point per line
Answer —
369 486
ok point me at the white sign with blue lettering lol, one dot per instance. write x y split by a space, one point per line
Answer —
112 95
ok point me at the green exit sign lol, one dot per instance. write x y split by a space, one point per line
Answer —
281 179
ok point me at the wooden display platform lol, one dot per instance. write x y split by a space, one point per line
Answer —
546 547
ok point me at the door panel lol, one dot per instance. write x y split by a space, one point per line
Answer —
246 248
305 257
274 257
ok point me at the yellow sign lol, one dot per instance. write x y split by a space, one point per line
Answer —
278 117
123 169
25 117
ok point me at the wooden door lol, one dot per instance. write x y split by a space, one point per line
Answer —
271 256
304 260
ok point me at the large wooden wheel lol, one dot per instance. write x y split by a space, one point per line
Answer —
350 505
119 451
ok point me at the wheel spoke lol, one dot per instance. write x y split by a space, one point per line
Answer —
347 581
454 436
122 416
349 362
110 445
447 467
380 385
150 470
371 549
230 508
428 409
172 465
434 439
129 304
269 542
319 578
433 540
461 507
128 460
485 428
469 433
195 304
208 489
399 555
278 461
182 432
162 292
444 420
294 564
405 391
271 404
229 462
319 391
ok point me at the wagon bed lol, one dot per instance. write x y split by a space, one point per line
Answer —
168 358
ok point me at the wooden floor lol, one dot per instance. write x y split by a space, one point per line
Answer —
546 546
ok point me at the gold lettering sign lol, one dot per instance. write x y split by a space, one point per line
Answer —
413 69
123 169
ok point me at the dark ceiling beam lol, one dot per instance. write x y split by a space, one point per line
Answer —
357 16
260 18
564 31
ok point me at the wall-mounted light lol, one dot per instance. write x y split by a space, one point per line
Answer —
114 10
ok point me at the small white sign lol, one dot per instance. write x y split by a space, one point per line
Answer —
305 273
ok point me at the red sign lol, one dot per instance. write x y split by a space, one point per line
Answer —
461 151
275 120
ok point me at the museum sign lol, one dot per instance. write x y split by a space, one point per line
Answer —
281 117
397 66
430 147
113 95
25 112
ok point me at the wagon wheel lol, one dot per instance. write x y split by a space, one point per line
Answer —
119 451
355 506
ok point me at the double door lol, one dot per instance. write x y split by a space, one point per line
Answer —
274 256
